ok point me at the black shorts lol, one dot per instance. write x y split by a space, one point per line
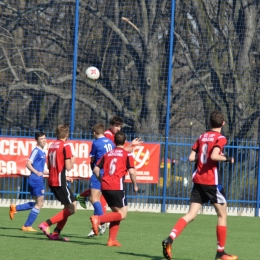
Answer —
204 193
63 194
115 198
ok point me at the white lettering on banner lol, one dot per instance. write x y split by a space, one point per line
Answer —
140 156
8 167
80 150
82 170
15 147
145 178
138 177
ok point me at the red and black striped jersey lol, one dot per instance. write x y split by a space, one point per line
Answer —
206 171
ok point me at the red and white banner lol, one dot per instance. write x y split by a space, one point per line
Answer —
14 153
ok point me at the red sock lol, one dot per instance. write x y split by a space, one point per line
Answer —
110 217
85 193
178 227
113 229
61 224
221 237
103 204
64 214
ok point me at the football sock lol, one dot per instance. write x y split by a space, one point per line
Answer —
32 217
60 226
178 227
110 217
104 204
221 237
25 206
98 208
85 193
64 214
113 229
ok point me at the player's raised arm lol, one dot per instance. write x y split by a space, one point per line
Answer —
130 147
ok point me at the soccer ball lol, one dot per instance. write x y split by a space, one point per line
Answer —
92 73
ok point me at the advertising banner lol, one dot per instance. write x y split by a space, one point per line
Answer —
14 153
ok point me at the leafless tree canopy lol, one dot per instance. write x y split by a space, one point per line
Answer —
215 64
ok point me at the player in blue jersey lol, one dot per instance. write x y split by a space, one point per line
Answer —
100 146
35 164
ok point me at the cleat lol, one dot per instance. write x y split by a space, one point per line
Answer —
167 249
82 201
226 256
12 211
45 229
28 229
111 242
95 223
91 234
102 229
57 237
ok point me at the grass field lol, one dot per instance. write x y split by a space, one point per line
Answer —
140 235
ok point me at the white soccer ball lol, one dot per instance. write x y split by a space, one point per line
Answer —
92 73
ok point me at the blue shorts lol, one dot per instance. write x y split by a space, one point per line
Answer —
36 188
95 183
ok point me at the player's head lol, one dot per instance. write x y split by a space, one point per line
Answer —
38 134
216 119
120 138
98 129
40 138
62 131
116 123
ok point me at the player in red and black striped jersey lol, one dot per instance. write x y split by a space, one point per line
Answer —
60 159
116 124
207 152
115 164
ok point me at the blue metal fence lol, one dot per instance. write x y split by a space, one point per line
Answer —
128 46
239 179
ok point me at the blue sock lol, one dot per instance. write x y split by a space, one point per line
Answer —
25 206
98 208
32 217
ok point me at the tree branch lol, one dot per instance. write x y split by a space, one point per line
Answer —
10 65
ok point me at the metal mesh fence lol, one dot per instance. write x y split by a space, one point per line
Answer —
46 47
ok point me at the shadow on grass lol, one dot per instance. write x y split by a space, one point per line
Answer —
40 236
150 256
8 228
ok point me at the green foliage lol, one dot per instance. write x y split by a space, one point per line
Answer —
140 234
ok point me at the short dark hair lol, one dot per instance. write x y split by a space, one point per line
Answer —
216 119
116 120
62 130
98 129
38 134
120 138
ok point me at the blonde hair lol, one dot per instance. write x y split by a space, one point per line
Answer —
62 131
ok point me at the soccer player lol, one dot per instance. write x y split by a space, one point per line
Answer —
35 164
207 151
115 163
100 146
60 159
116 123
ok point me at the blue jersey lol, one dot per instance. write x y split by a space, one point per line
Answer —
38 159
100 147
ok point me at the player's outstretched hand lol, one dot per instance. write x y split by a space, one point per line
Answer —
137 141
135 189
69 179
